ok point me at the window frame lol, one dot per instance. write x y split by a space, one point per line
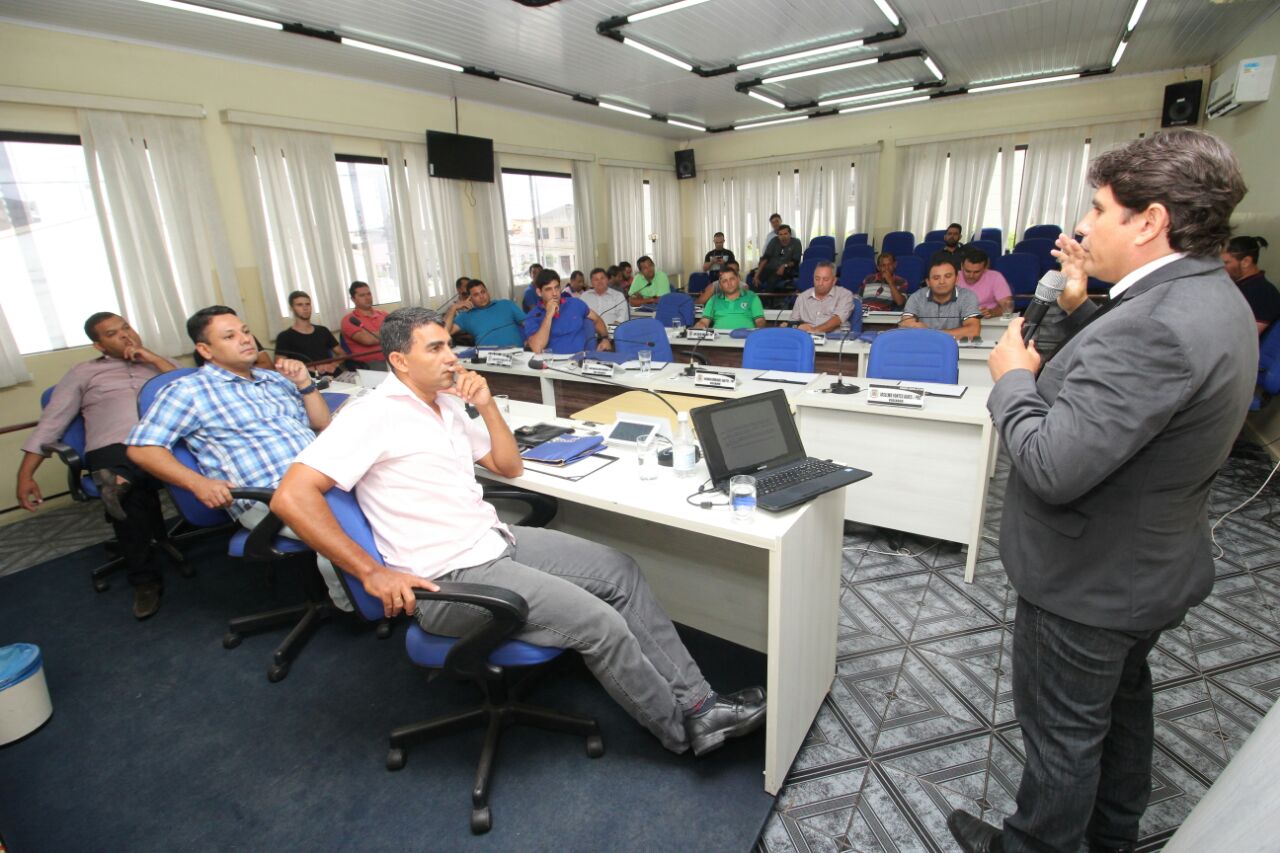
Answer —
535 226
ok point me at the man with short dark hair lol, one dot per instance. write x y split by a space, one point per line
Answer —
563 324
942 305
652 284
995 298
732 307
410 448
625 274
305 340
360 328
615 279
884 290
610 305
951 244
1114 446
530 297
823 307
780 261
105 391
577 282
1240 259
490 322
716 259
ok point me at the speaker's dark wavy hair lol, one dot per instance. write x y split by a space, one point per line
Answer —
1192 173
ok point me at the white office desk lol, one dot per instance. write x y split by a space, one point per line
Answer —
771 584
973 362
931 465
674 381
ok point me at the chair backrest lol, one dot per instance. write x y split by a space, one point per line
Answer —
820 252
1041 247
926 250
823 240
188 504
529 299
804 276
935 236
1021 270
857 250
991 247
779 349
672 305
353 523
898 243
922 355
642 333
993 234
912 269
859 239
1047 232
698 282
1268 349
854 270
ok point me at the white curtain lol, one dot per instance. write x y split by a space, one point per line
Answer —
584 215
928 201
12 368
1104 138
626 213
1052 177
921 186
428 226
665 248
826 191
296 214
491 219
866 180
159 214
719 206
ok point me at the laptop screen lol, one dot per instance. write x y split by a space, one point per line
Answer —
748 435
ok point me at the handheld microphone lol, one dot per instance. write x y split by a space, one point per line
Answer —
1048 289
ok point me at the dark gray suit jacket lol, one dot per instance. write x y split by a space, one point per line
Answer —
1115 445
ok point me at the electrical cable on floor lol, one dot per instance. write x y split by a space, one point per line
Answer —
1242 505
901 552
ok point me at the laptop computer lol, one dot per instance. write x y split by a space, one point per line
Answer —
757 435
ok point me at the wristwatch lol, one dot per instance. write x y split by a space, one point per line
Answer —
310 389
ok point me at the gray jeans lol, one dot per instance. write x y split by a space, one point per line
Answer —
337 594
592 599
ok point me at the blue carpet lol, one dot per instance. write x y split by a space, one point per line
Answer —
162 740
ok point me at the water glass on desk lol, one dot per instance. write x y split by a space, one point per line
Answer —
646 359
647 455
742 497
677 325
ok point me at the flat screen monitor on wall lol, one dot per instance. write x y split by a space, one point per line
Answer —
463 158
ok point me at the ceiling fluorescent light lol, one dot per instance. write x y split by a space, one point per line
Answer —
662 10
400 54
975 89
750 124
535 87
881 105
626 110
804 54
696 127
773 102
894 20
796 75
1115 60
1137 13
849 99
216 13
933 67
652 51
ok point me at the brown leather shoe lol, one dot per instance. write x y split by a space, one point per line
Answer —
973 835
146 599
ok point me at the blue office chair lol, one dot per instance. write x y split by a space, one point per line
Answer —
991 247
637 334
1268 368
1046 232
1022 271
935 236
529 299
824 241
779 349
698 282
859 239
819 252
921 355
926 250
481 657
853 271
804 275
912 269
1042 248
673 305
993 234
898 243
857 250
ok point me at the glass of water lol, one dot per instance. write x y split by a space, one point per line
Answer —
504 403
677 325
742 496
647 455
646 360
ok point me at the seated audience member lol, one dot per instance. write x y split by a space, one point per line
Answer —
713 286
951 244
942 305
530 297
360 328
775 222
651 284
577 283
615 279
243 424
732 307
305 340
823 307
562 324
459 291
401 446
883 290
105 392
994 296
780 260
490 322
715 260
625 274
610 305
1241 262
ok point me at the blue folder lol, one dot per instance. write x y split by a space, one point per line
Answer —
565 449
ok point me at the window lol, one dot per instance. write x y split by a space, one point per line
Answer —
991 213
851 212
538 206
646 194
52 260
366 200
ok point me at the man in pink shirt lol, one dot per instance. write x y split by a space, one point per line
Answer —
360 328
410 448
994 296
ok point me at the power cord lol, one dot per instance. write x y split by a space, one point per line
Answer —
901 552
1222 552
703 490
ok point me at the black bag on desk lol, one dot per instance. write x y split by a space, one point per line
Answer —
532 436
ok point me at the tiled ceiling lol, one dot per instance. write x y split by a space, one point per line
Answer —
972 41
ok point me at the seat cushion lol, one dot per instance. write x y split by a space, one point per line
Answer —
283 544
430 650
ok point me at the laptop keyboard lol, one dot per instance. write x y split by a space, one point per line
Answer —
805 471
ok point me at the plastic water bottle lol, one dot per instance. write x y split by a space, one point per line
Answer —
684 458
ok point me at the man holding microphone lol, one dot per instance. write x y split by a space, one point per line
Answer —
1114 442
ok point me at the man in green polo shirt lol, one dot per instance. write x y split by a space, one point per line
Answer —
649 285
732 307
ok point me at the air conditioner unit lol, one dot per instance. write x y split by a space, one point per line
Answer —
1245 85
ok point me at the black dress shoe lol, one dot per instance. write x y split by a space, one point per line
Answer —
747 695
726 718
110 492
972 834
146 600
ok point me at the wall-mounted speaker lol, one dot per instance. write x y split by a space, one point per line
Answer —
1181 104
684 164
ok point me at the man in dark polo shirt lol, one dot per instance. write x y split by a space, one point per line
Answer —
942 305
780 261
1241 262
305 340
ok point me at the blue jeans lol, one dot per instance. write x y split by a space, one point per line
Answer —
1083 699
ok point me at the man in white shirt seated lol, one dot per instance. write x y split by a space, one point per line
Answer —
823 307
610 305
409 446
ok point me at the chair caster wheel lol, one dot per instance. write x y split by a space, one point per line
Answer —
395 758
595 746
384 629
231 639
277 672
101 586
481 821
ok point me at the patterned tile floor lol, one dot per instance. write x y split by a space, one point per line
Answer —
920 717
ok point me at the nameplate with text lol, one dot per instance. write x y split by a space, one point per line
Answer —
911 398
597 368
818 339
499 359
709 379
700 334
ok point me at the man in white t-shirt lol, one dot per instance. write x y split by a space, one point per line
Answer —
410 447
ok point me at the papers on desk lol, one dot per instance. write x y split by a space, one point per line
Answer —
787 376
576 471
933 389
564 449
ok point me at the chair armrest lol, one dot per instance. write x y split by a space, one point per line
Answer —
261 542
469 657
75 467
542 508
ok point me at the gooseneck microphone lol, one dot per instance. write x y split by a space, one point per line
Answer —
584 355
838 387
475 357
1048 289
694 357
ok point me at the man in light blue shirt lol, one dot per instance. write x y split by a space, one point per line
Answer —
490 322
